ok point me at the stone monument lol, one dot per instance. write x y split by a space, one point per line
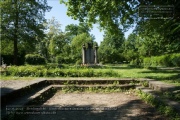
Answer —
89 55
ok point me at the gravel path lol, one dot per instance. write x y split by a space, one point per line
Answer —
98 106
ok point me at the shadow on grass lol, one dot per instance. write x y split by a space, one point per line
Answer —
161 71
174 77
170 77
120 67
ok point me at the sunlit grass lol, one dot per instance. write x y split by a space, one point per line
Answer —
120 71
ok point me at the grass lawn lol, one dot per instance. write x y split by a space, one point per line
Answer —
169 75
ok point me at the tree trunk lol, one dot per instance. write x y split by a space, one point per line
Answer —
15 61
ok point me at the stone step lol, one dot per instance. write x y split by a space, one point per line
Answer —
95 81
175 105
14 91
39 97
24 100
19 89
127 86
160 86
7 86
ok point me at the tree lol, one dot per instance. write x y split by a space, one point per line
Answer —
130 49
159 40
165 32
111 15
56 42
21 22
110 50
114 15
73 30
76 45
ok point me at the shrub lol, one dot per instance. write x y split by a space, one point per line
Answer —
34 59
27 71
51 65
136 62
55 65
147 62
169 60
42 71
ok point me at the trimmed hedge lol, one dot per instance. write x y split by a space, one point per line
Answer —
35 59
169 60
42 71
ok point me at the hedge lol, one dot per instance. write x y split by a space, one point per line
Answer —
42 71
168 60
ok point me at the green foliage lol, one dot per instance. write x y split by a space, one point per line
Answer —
130 48
173 96
79 62
55 42
145 83
26 71
169 60
110 15
63 59
164 109
34 59
77 43
110 48
72 88
175 60
54 65
60 59
54 71
19 26
6 47
74 30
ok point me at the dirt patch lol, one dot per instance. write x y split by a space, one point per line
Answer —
98 106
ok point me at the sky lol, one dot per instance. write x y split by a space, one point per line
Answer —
59 12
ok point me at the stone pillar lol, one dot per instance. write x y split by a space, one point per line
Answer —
83 54
95 55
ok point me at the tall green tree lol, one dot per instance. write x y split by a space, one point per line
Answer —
130 49
111 48
56 42
53 36
21 22
165 33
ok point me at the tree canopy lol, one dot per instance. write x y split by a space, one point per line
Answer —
24 28
111 15
22 23
151 37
